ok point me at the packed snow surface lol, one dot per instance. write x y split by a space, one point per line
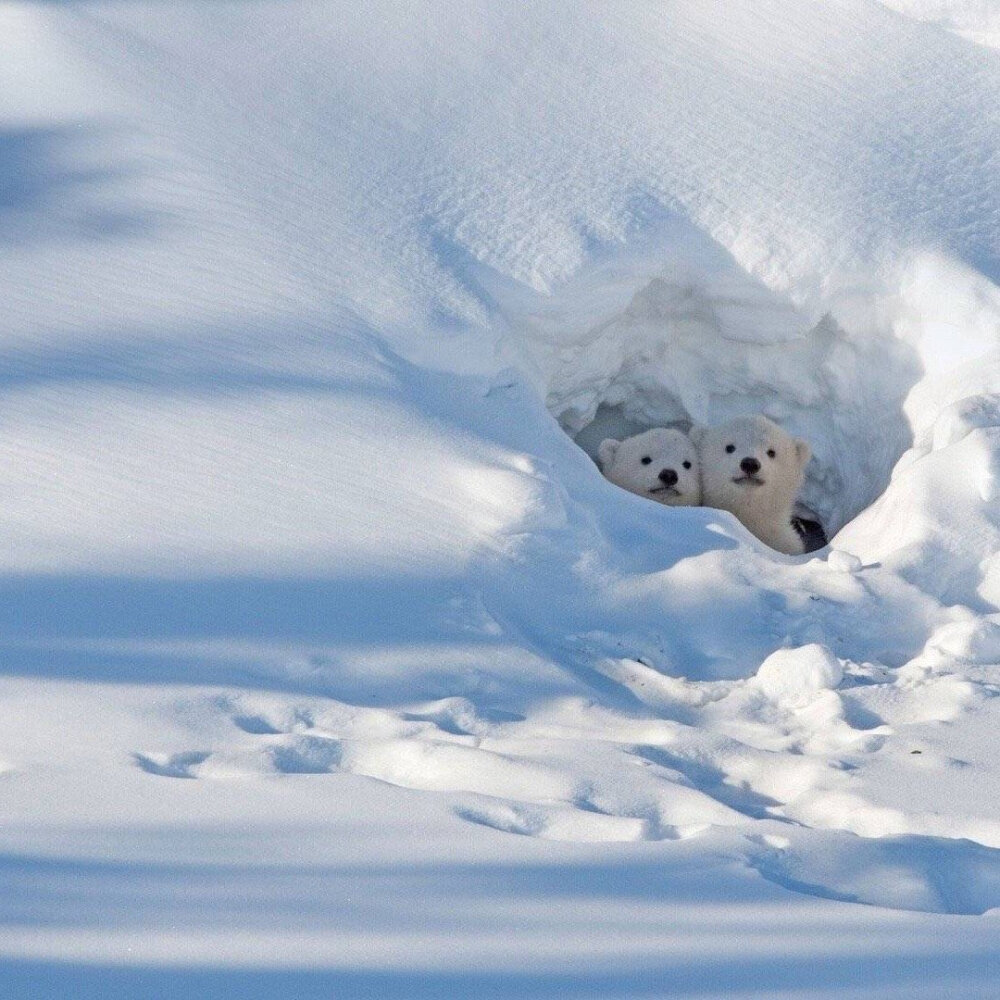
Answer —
331 663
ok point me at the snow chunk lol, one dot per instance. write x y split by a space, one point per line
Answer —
843 562
795 677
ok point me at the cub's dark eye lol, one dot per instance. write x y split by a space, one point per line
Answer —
687 465
770 453
646 460
730 448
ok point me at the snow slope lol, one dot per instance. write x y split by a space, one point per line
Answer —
976 20
330 661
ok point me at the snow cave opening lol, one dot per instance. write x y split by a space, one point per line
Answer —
706 349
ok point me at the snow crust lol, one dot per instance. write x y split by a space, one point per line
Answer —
330 660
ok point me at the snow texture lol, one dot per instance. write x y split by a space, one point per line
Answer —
332 665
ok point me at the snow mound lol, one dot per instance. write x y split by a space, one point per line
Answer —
794 677
975 641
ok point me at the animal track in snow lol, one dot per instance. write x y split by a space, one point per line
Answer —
557 822
255 724
704 759
178 765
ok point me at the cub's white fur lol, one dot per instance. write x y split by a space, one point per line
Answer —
661 464
754 469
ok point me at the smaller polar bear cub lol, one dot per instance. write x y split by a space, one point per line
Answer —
661 464
754 469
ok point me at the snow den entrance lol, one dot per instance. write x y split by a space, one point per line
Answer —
702 342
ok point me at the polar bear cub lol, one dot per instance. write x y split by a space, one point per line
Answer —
754 469
661 464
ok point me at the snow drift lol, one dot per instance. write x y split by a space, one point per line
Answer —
313 315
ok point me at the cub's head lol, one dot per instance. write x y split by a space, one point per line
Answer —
750 462
661 464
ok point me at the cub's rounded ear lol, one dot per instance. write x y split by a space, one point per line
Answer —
697 434
606 452
802 452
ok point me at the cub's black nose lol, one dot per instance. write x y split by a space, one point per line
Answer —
750 466
668 477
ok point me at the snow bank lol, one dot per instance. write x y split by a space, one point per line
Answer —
304 308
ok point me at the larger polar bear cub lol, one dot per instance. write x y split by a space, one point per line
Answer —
754 469
661 464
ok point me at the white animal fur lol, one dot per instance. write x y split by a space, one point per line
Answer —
763 502
667 450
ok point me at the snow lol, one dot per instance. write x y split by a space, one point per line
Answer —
331 663
976 20
796 677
